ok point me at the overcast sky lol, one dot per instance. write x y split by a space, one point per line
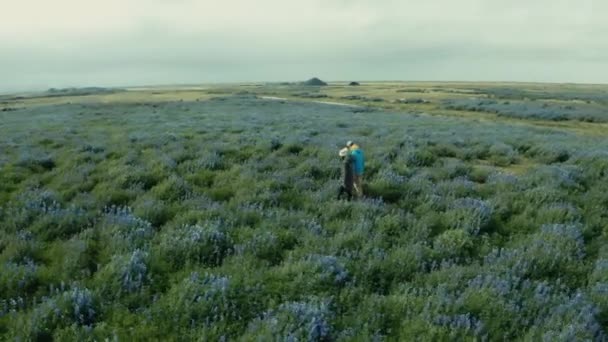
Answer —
59 43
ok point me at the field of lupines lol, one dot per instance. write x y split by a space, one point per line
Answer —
217 220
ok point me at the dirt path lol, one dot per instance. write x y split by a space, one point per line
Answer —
274 98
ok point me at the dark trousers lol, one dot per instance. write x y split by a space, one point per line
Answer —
344 191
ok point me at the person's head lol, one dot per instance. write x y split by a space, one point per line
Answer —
351 146
343 152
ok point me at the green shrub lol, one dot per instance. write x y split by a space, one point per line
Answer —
206 244
124 275
221 193
211 305
264 245
37 164
421 158
19 279
57 222
453 243
311 321
171 189
76 306
502 154
155 211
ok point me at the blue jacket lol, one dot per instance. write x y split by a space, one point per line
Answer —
357 154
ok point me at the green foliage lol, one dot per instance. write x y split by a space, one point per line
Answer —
211 305
423 157
71 308
198 244
453 243
218 220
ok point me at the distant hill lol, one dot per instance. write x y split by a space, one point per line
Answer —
314 82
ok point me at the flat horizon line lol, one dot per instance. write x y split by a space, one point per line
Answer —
177 85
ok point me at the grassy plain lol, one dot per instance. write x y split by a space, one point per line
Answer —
208 212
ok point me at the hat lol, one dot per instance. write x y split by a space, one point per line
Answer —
343 152
349 143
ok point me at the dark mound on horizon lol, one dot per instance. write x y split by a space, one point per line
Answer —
314 82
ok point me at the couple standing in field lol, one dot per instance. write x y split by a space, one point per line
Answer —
353 162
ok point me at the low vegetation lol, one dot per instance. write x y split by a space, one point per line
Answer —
217 220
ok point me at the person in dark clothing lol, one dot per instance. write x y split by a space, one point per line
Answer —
348 168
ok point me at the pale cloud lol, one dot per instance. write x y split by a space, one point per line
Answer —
69 42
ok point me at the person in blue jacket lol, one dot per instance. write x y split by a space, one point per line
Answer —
359 161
